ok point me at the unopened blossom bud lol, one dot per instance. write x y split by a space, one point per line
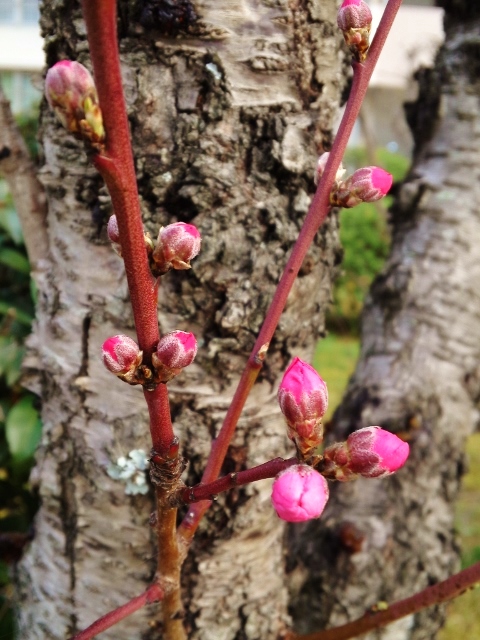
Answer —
177 244
303 399
121 355
299 493
371 452
175 351
354 18
112 230
322 163
368 184
71 93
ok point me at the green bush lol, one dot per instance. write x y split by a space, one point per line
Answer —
20 426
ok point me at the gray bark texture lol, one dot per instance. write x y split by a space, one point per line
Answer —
418 373
227 120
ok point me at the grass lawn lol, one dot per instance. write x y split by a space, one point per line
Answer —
335 359
464 612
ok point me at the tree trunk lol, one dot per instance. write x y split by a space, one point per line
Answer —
418 373
227 121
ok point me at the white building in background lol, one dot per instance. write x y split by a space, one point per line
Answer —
21 52
412 43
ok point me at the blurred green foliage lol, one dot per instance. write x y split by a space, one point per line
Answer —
20 426
365 238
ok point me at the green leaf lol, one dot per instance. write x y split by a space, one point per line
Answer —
14 371
8 353
14 259
10 222
23 429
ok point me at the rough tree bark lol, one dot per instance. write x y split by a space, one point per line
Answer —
418 373
227 121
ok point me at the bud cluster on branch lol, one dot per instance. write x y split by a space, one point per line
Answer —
300 492
300 489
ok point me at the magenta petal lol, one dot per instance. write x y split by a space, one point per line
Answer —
299 493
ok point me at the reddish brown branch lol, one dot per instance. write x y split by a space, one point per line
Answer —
316 216
117 168
269 469
441 592
169 566
118 171
151 595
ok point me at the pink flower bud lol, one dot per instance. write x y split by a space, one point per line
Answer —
322 163
299 493
303 399
354 18
112 230
177 244
365 185
175 351
371 452
354 14
370 183
375 452
71 93
121 355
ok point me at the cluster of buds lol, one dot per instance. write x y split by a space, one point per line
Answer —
177 244
371 452
123 357
299 493
303 399
368 184
72 95
354 18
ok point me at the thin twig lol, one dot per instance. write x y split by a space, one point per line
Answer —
442 592
188 495
151 595
117 168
